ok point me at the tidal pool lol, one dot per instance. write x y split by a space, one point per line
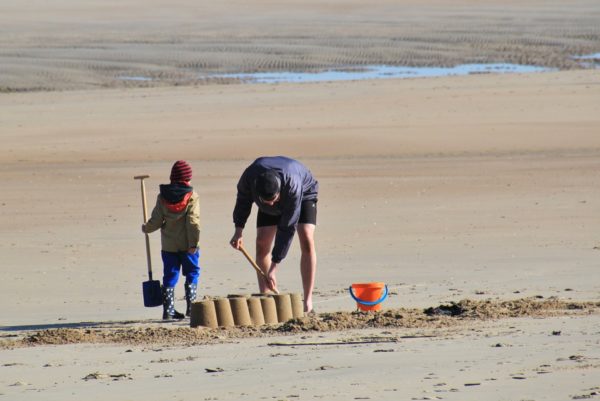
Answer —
380 72
134 78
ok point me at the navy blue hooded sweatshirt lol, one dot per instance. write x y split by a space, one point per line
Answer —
297 185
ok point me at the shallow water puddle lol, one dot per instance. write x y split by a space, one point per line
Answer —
134 78
589 60
380 72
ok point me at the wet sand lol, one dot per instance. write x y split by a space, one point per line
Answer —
68 45
482 188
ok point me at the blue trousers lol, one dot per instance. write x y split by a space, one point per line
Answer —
186 262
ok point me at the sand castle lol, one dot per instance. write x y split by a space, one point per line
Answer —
246 310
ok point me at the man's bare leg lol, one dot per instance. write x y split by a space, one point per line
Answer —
264 241
308 262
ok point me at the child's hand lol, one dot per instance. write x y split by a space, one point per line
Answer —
144 228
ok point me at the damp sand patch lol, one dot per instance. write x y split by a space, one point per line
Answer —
444 316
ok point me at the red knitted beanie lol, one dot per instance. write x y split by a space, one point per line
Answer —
181 171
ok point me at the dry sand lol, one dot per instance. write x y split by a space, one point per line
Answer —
481 188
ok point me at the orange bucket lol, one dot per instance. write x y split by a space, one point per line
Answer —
369 296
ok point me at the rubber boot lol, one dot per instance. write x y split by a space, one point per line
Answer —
169 311
190 296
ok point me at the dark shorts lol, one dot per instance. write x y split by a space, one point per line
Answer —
308 215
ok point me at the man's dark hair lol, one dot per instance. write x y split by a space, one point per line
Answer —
268 184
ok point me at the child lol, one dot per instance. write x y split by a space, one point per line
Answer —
177 214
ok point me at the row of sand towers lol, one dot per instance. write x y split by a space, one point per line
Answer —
246 310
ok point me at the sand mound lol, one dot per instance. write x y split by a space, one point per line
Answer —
450 315
441 316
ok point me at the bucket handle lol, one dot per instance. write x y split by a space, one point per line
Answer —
369 303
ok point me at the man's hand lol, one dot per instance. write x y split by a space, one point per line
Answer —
192 251
271 279
236 241
144 228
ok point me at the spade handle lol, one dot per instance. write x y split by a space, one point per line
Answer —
145 210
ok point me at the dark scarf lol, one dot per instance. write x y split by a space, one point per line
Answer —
175 196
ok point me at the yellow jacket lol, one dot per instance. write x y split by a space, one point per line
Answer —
180 230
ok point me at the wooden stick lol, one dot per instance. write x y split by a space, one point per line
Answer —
256 267
253 263
351 342
373 340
